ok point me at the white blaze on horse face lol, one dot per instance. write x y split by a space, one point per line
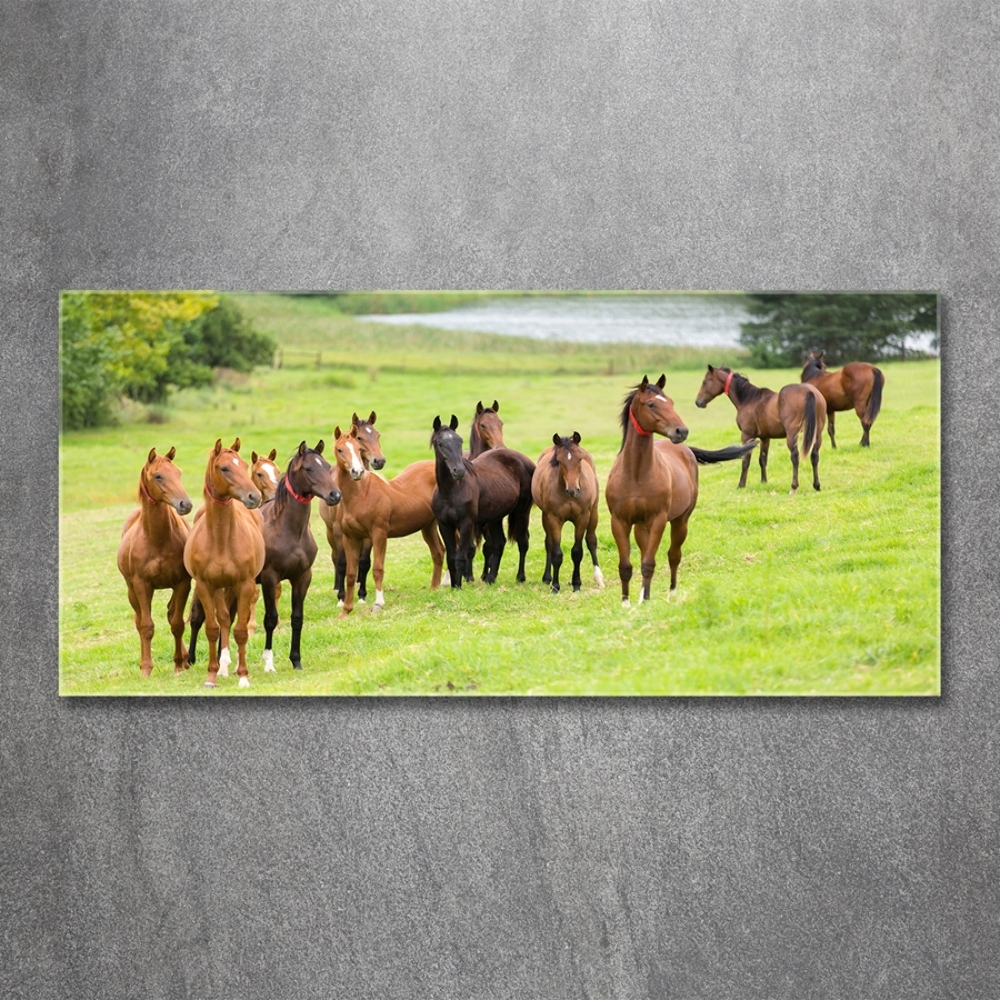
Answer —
357 468
235 461
272 473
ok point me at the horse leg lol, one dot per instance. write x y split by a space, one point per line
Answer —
450 542
765 447
140 596
793 447
577 553
547 575
463 546
300 588
378 542
364 566
224 616
745 467
487 556
861 409
497 545
647 537
678 532
206 598
175 615
268 586
352 546
621 532
247 598
340 571
553 546
433 539
522 550
814 458
592 546
829 415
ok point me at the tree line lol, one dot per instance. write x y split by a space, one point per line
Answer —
143 345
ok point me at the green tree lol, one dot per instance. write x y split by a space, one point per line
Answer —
847 326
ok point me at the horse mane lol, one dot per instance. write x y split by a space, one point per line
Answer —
281 494
811 367
627 405
742 388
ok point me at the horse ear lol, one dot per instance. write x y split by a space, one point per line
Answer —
496 406
644 383
556 440
354 430
576 437
454 422
661 381
320 445
336 431
710 369
437 423
302 449
253 457
354 419
218 446
171 453
273 455
479 407
236 445
151 455
371 419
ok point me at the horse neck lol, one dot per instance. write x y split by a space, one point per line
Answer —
638 451
351 490
446 483
156 520
294 513
476 446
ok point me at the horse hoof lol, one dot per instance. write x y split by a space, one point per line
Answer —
269 661
626 603
361 600
446 579
244 682
296 666
555 590
145 671
376 608
340 604
210 684
598 578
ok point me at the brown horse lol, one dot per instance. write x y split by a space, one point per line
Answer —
372 458
265 474
225 553
651 484
565 487
377 509
765 414
289 543
151 554
857 386
486 431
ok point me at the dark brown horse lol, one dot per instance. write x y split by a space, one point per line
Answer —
565 487
151 554
857 386
652 483
290 548
765 414
486 431
377 509
224 554
479 493
372 458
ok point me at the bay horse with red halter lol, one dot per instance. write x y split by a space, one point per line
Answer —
652 483
151 554
378 509
290 549
564 486
479 493
763 413
857 386
225 553
372 458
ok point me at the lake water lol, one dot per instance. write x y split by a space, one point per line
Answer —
679 319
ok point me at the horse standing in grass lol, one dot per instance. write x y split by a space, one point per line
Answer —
151 554
378 509
290 548
479 493
225 553
857 386
372 459
564 486
765 414
651 484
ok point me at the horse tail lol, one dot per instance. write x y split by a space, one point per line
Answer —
723 455
809 425
875 399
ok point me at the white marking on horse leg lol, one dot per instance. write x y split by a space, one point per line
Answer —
379 599
244 682
224 660
598 578
269 661
446 578
626 603
641 591
340 604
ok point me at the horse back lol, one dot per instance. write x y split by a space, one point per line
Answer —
504 479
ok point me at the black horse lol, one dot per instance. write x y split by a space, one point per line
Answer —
479 493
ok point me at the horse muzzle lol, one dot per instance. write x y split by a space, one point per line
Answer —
574 493
678 435
356 474
333 498
458 473
183 506
378 464
252 500
701 403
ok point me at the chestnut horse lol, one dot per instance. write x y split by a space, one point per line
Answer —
479 493
372 458
151 554
225 553
288 540
265 474
565 487
857 386
765 414
651 484
486 431
378 509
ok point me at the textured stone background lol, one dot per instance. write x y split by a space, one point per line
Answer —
551 848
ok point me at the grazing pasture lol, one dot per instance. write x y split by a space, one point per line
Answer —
834 592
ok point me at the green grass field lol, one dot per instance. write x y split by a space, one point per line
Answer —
820 593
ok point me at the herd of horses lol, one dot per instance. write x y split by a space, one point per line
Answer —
456 501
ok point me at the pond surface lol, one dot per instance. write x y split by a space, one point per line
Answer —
675 319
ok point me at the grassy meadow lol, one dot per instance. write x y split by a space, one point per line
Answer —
819 593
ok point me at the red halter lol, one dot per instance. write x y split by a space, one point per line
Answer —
142 486
635 424
729 379
288 486
211 496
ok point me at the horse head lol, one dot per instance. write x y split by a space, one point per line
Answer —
347 451
488 425
310 475
651 411
160 480
368 440
712 385
228 477
447 445
264 473
568 456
